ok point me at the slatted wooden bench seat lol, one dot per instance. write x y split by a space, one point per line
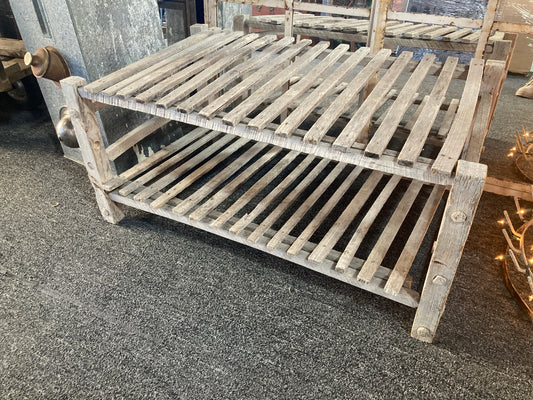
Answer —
397 33
309 173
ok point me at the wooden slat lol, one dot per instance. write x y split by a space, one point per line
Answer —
158 156
453 146
331 9
366 223
417 138
161 76
323 22
135 136
457 34
183 168
433 19
251 80
439 32
412 28
448 118
282 102
412 120
286 229
337 32
349 25
421 30
235 73
346 98
319 218
146 62
390 95
201 140
265 202
486 28
405 261
209 166
314 20
287 201
220 155
363 116
394 115
161 69
260 95
380 249
271 19
225 192
324 90
300 18
502 187
345 219
398 29
254 190
178 77
339 24
473 37
210 71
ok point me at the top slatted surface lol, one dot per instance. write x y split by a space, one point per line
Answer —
238 84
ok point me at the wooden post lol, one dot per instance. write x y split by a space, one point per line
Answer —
493 77
376 37
488 20
289 18
378 21
458 215
240 23
210 13
91 145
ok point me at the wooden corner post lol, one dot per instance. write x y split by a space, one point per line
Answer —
91 145
457 221
378 22
240 23
486 28
210 13
289 18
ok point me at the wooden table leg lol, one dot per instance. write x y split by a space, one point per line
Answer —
91 145
458 215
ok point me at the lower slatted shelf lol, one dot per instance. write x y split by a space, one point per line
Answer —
360 226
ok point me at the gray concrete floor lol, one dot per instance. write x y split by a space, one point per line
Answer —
153 309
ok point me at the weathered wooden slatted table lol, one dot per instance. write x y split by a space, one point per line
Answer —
307 172
410 34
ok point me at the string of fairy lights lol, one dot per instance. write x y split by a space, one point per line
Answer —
519 253
524 144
